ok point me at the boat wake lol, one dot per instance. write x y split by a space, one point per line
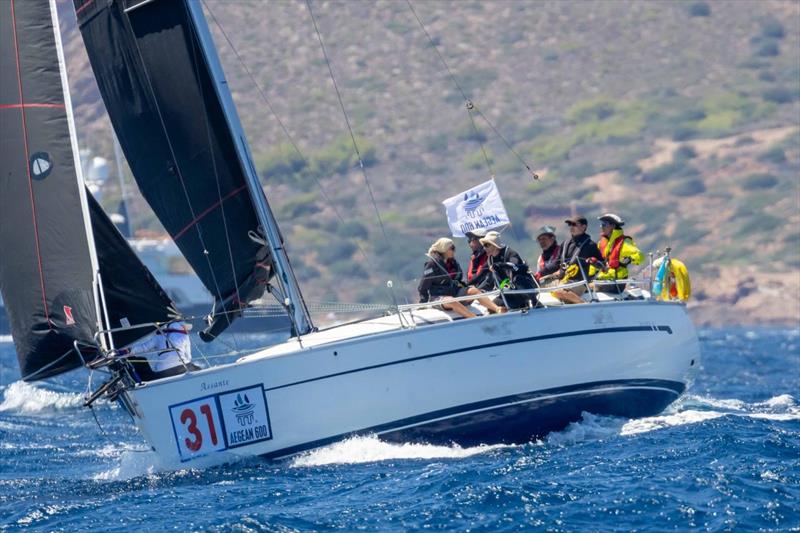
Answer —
690 410
131 463
24 398
371 449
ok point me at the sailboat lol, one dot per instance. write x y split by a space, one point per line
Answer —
414 374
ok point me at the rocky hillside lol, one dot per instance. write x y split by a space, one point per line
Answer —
684 117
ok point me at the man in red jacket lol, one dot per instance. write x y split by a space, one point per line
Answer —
478 274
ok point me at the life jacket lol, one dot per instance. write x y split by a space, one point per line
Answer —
612 258
475 267
556 251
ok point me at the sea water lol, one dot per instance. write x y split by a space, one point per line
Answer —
726 456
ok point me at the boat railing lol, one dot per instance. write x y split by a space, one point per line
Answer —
404 312
640 287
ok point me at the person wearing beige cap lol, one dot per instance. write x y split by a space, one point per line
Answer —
510 271
442 280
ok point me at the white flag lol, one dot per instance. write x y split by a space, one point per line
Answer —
479 207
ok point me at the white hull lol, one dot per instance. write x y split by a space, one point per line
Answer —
502 378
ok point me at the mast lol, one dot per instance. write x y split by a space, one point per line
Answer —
293 298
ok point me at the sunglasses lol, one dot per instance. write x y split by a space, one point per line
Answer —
604 224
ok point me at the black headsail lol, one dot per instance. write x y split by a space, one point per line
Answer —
163 89
131 294
48 264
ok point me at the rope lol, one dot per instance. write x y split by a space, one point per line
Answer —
177 167
280 123
219 190
470 106
469 103
49 365
347 121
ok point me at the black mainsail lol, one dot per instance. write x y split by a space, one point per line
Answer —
48 265
163 88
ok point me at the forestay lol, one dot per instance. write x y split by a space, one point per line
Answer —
160 92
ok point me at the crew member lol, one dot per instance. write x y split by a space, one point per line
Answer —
167 352
442 279
618 251
574 266
550 258
509 270
478 274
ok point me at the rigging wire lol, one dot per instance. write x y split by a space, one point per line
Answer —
176 167
283 127
471 107
469 103
347 120
219 190
393 271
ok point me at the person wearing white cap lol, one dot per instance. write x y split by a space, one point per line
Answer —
478 274
509 269
618 251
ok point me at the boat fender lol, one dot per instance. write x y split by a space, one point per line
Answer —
658 281
682 288
672 281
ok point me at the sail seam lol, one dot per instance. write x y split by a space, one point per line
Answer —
28 168
31 106
83 6
207 211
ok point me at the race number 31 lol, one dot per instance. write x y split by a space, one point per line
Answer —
197 426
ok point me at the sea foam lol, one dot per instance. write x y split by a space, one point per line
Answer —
24 398
371 449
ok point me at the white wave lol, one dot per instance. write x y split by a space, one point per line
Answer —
784 401
6 338
778 417
131 463
644 425
21 397
769 475
692 400
689 410
371 449
590 428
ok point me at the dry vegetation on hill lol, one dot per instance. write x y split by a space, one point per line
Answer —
684 117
